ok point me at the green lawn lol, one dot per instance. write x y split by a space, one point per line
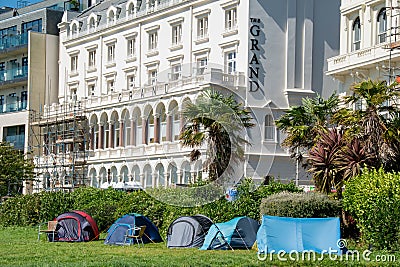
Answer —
19 247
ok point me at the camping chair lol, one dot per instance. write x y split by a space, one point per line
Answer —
50 231
138 236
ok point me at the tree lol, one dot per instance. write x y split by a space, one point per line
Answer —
341 140
303 124
376 126
216 120
15 168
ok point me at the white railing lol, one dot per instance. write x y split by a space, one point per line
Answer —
215 76
360 56
137 14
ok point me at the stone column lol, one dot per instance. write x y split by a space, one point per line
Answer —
155 180
121 133
133 132
144 130
181 122
142 181
101 136
91 137
111 134
156 128
169 128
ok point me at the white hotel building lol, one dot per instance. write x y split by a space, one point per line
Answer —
133 65
368 42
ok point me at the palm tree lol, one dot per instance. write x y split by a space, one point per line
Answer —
217 121
376 119
303 124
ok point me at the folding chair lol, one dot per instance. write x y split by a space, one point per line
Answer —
50 231
138 236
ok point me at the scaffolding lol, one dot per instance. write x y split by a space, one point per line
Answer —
58 141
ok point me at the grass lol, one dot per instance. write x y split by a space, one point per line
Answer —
19 247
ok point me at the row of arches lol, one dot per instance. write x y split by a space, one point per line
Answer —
137 126
160 175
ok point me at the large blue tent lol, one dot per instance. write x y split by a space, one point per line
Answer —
298 234
238 233
116 233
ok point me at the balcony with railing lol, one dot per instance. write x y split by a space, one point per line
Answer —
197 80
157 6
363 57
13 75
13 106
13 41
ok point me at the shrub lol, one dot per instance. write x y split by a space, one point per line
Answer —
373 199
300 205
105 206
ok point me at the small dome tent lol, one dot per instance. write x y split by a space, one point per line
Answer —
188 231
116 233
238 233
76 226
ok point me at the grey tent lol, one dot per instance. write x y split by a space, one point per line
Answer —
188 231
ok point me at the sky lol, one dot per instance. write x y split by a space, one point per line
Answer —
13 3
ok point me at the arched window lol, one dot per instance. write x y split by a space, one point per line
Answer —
269 125
356 34
173 173
124 174
148 178
382 26
186 175
160 175
74 30
111 17
131 9
92 24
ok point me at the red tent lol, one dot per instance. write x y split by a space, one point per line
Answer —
76 226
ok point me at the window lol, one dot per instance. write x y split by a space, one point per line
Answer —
176 73
74 30
152 77
269 133
73 94
176 34
201 65
357 34
24 99
74 64
131 47
230 59
382 26
153 40
5 35
92 24
92 59
35 25
202 27
131 81
230 19
91 89
111 17
131 9
2 103
111 53
110 86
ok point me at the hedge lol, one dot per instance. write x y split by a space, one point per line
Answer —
373 199
300 205
105 206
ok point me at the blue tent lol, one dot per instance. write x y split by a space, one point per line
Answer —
298 234
238 233
116 233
